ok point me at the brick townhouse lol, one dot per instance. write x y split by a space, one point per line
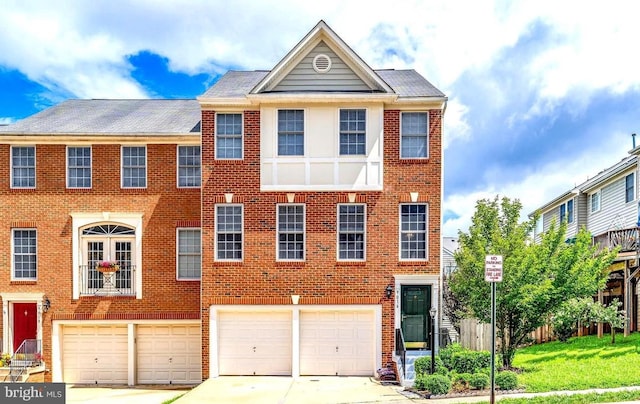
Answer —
286 222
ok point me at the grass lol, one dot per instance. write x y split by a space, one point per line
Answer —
580 363
576 399
172 400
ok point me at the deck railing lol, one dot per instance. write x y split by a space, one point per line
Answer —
626 239
119 283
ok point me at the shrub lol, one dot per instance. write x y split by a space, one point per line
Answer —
460 382
422 366
447 353
468 361
436 384
506 380
479 381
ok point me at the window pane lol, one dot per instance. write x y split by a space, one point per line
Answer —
189 166
134 167
229 136
79 167
352 131
23 163
290 132
414 140
229 232
24 254
413 231
351 232
291 232
189 254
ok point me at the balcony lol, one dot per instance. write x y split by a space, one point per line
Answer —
119 283
627 239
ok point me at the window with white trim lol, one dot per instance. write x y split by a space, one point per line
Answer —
351 232
25 254
291 232
594 199
189 254
539 225
413 232
229 223
566 211
353 126
229 136
291 132
189 166
134 167
78 167
113 243
23 167
629 188
414 139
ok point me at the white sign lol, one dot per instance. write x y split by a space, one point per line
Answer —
493 268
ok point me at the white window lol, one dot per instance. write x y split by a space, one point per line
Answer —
78 167
189 254
291 232
414 141
353 126
189 166
134 167
229 136
291 132
23 167
595 201
539 225
108 243
229 224
566 211
351 232
629 188
25 254
413 232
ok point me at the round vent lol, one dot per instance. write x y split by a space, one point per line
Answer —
321 63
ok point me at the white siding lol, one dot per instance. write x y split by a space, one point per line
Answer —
614 213
322 167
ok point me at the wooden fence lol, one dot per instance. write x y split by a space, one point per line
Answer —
477 336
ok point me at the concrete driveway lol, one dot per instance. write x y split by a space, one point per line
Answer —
288 390
122 394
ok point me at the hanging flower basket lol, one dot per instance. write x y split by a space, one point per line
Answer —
107 266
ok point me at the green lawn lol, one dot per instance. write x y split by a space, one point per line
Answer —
580 363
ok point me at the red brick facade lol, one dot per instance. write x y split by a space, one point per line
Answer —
320 278
47 208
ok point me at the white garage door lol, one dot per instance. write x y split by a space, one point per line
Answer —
94 354
337 343
254 343
169 354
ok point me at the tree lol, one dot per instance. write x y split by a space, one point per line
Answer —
537 277
609 314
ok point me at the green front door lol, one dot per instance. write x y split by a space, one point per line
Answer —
416 302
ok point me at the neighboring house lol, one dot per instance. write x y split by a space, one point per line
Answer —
89 181
607 206
314 215
449 247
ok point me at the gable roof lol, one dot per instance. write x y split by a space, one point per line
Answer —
321 33
83 117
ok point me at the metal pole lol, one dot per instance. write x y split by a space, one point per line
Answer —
433 344
493 343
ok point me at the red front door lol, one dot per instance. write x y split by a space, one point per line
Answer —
25 323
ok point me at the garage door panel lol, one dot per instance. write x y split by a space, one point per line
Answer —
254 343
339 342
94 354
169 354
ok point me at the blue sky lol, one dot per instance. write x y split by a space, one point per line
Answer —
542 94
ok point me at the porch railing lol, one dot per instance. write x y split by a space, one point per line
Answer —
119 283
401 351
28 354
627 239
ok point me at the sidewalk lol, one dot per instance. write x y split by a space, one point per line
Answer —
485 399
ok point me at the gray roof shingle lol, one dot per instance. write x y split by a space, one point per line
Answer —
149 116
235 84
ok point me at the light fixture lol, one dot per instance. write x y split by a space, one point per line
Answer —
433 312
46 304
388 290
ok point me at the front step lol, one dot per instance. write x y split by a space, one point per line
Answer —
31 372
410 373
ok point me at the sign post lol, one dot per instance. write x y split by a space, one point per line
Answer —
493 274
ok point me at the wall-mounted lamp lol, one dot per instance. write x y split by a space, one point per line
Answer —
388 290
46 304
